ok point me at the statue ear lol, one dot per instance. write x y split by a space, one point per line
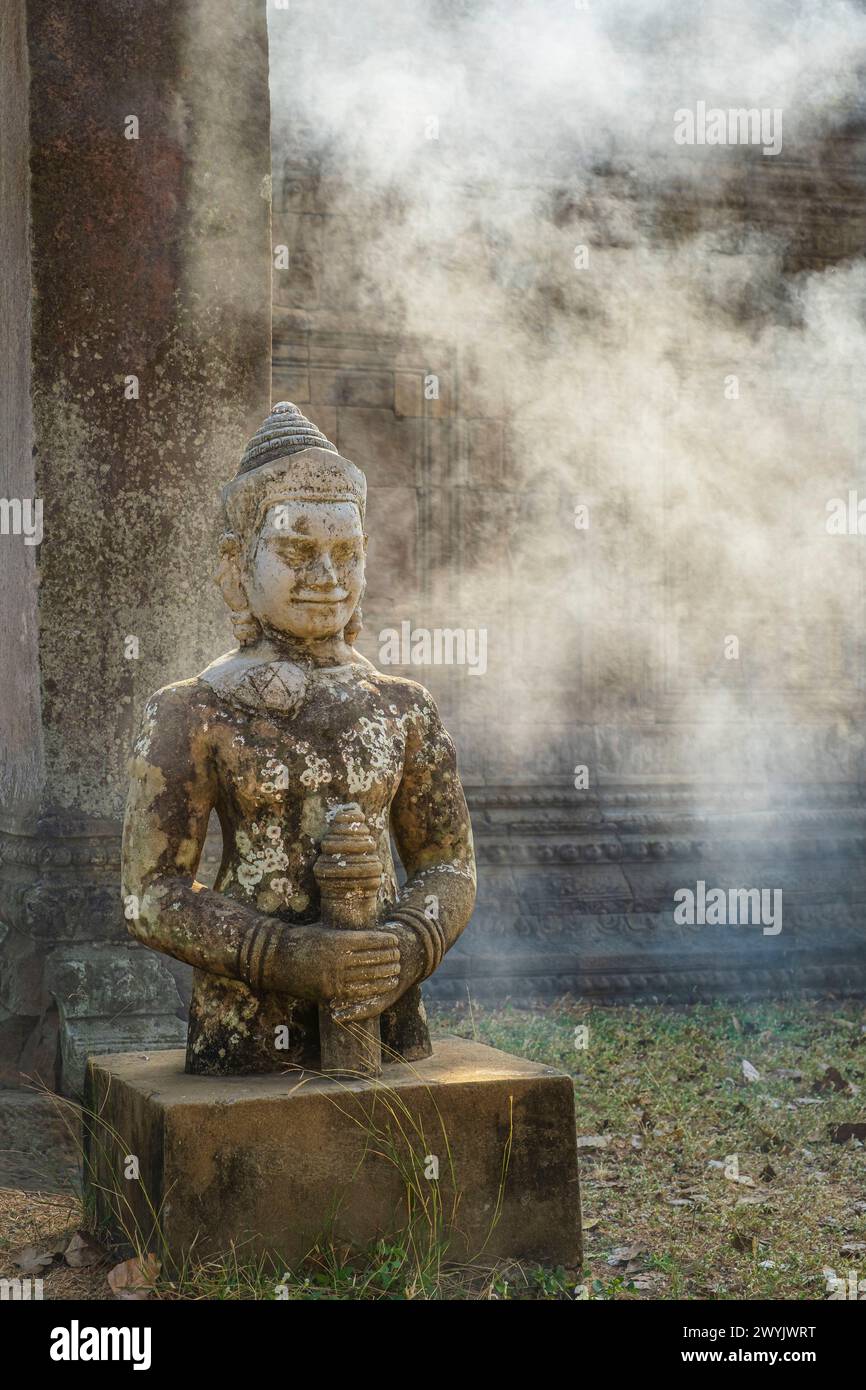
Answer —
353 626
228 576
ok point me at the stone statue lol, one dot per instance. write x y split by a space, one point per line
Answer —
305 951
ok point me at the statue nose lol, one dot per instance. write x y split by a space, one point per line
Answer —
324 575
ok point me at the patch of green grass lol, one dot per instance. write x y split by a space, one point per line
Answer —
387 1272
664 1088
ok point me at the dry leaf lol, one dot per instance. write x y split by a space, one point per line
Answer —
82 1251
625 1254
134 1279
593 1141
840 1134
31 1260
832 1080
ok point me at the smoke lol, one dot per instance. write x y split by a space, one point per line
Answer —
667 336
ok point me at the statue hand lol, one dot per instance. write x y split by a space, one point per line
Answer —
321 964
347 1009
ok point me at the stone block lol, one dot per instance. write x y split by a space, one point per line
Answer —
387 449
409 394
392 556
112 998
94 981
22 989
81 1038
40 1142
291 384
276 1163
485 452
299 284
29 1049
325 416
331 386
412 398
15 1032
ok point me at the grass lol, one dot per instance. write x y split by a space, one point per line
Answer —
665 1087
662 1097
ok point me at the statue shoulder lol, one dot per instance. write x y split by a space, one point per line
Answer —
228 669
411 697
175 713
173 747
187 696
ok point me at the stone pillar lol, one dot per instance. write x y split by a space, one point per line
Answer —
134 362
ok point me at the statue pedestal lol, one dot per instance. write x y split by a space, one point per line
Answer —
277 1163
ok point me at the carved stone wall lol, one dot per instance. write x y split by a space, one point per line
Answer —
737 774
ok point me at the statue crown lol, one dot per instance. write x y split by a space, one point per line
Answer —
286 431
287 459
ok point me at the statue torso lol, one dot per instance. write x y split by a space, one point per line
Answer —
288 746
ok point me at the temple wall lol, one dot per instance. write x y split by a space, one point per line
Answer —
606 388
21 755
137 207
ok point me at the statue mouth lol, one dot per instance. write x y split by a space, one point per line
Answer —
330 602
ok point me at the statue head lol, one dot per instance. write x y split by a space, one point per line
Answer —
293 552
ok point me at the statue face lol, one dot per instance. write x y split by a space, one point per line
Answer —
306 571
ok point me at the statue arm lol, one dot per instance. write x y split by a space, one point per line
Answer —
172 792
433 835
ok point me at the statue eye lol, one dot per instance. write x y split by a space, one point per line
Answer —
294 552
